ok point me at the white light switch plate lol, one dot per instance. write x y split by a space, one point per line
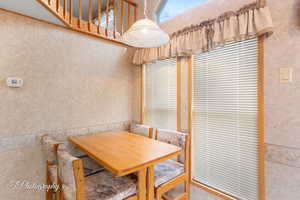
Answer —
286 75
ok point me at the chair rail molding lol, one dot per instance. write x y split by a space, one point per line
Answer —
11 143
283 155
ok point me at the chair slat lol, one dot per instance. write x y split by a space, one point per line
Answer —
79 179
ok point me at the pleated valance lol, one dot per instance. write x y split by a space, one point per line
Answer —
251 20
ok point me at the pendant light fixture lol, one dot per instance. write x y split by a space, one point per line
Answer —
145 33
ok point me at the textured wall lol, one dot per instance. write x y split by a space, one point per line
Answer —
282 121
282 103
73 84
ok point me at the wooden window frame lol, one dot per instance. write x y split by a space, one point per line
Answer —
260 126
178 94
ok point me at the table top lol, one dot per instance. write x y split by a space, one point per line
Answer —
122 152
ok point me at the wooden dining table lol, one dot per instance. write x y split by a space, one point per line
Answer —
123 153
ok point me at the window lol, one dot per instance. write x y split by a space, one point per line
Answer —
160 94
224 121
171 8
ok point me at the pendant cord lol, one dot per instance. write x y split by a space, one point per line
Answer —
145 7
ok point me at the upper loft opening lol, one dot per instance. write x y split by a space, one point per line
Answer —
107 19
170 8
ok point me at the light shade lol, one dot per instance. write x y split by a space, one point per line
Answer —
145 34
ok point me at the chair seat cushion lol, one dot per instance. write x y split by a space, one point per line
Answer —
106 186
52 170
166 171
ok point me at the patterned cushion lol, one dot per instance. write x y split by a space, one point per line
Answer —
140 129
68 192
105 186
166 171
49 149
73 150
173 137
52 170
90 166
66 172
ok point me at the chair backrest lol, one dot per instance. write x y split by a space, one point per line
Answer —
70 174
90 166
141 129
49 147
176 138
73 150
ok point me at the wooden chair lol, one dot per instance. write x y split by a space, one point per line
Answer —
49 147
171 173
141 129
100 186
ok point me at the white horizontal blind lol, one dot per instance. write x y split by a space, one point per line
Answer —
160 93
225 133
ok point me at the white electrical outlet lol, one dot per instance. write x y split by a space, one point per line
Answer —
14 82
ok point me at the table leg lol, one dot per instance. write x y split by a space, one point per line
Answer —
150 183
142 184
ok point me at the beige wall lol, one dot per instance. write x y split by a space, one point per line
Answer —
73 84
282 116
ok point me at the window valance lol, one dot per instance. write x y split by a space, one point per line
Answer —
251 20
